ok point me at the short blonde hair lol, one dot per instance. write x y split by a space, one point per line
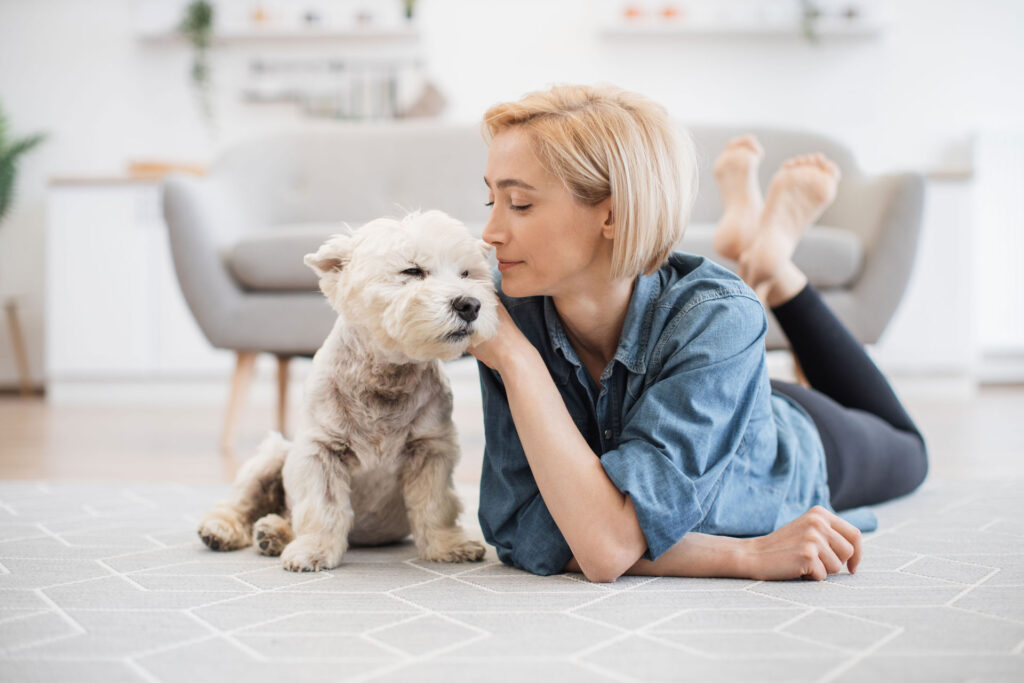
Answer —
602 141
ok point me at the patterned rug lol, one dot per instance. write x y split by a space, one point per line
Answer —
108 582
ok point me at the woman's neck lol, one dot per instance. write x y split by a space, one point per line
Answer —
593 318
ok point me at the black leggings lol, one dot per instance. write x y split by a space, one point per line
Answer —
873 450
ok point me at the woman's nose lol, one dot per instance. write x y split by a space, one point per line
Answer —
492 234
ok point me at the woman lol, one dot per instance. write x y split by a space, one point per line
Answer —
631 426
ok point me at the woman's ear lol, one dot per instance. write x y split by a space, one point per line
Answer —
608 229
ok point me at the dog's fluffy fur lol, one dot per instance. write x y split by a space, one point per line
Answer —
372 459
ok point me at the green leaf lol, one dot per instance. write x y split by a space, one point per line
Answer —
9 155
20 147
6 188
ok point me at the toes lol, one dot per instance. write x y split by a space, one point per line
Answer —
747 141
212 542
756 146
469 551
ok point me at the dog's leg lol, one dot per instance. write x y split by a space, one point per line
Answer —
257 491
318 485
432 505
272 533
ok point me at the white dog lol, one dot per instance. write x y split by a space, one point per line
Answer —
373 456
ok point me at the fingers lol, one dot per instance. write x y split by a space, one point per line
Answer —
840 541
815 569
820 559
830 558
840 546
818 573
852 535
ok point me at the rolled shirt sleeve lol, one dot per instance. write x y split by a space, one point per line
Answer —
681 434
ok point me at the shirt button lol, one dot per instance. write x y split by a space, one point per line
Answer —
607 434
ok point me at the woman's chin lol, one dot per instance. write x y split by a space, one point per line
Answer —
515 288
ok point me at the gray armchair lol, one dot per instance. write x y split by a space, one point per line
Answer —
238 234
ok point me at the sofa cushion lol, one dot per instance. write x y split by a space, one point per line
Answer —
272 260
831 257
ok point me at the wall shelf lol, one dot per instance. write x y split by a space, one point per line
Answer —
402 34
857 29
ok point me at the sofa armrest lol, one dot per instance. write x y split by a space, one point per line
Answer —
200 224
890 224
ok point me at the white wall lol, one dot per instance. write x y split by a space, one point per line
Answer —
78 70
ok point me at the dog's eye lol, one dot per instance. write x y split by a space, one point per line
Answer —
415 272
465 273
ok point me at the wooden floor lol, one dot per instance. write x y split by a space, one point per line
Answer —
967 436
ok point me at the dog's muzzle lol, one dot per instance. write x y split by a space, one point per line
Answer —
458 335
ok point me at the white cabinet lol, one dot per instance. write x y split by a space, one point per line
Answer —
931 332
113 307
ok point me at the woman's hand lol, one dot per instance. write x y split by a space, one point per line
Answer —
812 546
499 349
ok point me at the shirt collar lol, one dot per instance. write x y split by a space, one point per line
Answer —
635 337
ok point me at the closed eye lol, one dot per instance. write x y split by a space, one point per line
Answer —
514 207
415 272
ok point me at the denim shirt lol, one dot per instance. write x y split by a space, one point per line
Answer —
684 421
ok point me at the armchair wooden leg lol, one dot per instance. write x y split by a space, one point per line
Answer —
18 345
282 393
244 364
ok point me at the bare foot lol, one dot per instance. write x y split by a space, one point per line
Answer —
736 173
801 190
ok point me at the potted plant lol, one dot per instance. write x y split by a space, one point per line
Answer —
197 27
11 150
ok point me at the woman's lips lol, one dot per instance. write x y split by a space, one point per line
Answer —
505 265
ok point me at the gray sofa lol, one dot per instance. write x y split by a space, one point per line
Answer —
239 233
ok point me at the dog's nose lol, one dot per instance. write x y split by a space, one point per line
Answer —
466 307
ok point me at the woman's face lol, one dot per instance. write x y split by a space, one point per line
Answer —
547 243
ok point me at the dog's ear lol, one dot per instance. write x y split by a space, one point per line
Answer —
485 248
331 257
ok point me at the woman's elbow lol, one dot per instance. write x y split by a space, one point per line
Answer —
601 574
608 565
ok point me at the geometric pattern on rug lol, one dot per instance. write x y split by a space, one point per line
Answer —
108 582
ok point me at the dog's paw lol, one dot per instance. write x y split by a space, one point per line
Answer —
271 534
308 554
221 530
462 551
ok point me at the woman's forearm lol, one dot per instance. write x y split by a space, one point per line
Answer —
699 555
598 521
695 555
